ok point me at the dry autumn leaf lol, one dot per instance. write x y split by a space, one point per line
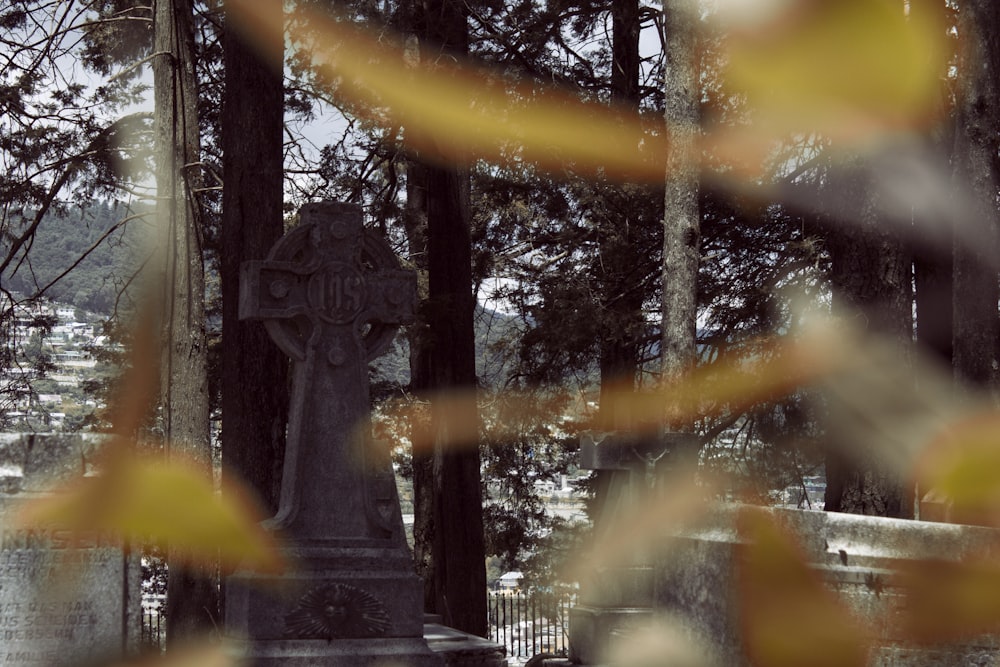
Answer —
759 371
661 641
852 70
168 502
950 601
644 526
197 654
456 112
788 617
963 467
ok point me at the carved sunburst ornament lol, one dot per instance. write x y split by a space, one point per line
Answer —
337 611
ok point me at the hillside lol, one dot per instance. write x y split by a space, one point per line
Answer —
91 254
99 256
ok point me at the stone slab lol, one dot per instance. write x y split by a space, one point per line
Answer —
460 649
395 652
696 577
66 597
267 608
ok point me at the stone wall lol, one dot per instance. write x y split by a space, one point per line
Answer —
860 558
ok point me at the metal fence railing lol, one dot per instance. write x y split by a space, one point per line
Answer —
153 629
526 624
529 623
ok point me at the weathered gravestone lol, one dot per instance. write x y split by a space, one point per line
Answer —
67 597
332 295
616 598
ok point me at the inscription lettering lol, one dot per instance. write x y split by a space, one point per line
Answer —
337 292
33 657
57 538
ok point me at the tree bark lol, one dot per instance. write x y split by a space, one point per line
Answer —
871 282
934 303
254 370
976 327
681 224
455 576
459 545
933 263
415 223
192 598
621 297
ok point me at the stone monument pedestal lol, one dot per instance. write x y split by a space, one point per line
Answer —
397 652
329 617
617 598
331 295
862 560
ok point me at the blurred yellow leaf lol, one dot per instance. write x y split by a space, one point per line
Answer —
661 641
950 601
645 524
852 70
454 111
963 467
169 502
788 617
136 390
759 371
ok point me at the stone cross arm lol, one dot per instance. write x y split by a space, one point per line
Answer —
328 272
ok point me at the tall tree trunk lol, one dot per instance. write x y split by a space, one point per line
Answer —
254 370
459 579
455 575
621 297
932 262
681 223
192 598
977 141
415 223
934 306
871 279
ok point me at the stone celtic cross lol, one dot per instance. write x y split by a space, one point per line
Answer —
331 294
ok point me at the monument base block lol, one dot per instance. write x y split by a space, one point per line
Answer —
382 652
328 617
591 630
460 649
325 605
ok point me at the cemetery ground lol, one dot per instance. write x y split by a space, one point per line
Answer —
53 331
839 153
890 577
883 572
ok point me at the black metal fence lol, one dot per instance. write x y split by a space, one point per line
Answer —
525 623
530 623
153 629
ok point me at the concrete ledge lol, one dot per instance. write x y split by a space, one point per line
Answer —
697 576
459 649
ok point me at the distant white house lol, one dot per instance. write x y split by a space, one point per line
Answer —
65 380
510 581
